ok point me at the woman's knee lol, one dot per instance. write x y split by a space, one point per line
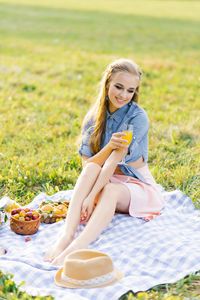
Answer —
112 191
119 194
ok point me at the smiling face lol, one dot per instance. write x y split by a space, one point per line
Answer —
121 89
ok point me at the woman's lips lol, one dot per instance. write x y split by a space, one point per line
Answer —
120 101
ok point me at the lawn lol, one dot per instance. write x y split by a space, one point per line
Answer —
52 55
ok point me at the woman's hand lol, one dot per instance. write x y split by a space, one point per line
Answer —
86 209
116 142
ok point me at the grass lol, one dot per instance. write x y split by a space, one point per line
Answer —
53 54
186 288
10 291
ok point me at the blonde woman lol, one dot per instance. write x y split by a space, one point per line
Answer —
115 175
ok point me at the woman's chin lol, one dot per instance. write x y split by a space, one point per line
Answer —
119 104
116 105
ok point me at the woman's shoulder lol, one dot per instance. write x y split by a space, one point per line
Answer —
137 111
88 121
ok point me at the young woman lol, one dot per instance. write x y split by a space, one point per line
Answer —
115 175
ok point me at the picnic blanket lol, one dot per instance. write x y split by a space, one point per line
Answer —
162 250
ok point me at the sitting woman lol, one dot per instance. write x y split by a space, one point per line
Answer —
115 175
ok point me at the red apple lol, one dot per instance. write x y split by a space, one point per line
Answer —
29 214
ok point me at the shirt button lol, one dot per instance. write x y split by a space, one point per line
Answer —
134 137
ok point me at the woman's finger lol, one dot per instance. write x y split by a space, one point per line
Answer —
84 218
89 212
83 211
118 140
120 145
119 133
87 218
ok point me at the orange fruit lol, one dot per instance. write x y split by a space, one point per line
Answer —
46 208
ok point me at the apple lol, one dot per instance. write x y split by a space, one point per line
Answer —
29 214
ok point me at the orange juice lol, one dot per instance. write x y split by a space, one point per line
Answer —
128 137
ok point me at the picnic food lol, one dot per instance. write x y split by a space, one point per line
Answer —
52 212
12 205
24 221
6 205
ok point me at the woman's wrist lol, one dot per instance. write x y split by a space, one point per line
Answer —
109 147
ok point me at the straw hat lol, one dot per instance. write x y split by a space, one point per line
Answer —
87 269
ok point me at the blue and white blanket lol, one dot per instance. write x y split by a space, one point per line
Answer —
148 253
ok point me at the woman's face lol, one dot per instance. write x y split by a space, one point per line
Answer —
121 90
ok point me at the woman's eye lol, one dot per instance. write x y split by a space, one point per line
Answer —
131 92
118 87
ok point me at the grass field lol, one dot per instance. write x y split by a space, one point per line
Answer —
52 57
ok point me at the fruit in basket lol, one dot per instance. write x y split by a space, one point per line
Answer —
24 221
24 215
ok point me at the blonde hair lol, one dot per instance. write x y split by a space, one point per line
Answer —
98 111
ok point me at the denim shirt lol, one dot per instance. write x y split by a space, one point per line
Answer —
130 113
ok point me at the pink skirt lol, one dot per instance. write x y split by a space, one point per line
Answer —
146 199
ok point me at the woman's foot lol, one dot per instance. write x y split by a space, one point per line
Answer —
63 242
59 260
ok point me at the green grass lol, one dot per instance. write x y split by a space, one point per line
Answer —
186 288
53 54
10 291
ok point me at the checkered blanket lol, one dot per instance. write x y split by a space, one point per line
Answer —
148 253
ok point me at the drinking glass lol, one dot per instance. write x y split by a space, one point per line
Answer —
128 130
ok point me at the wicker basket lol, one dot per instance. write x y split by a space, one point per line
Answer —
24 227
50 218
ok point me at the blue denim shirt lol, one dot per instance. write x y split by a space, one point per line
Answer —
130 113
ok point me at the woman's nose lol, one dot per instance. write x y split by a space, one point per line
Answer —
123 94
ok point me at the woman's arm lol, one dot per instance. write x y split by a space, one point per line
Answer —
103 178
100 157
107 171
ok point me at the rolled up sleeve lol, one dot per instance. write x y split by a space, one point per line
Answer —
84 148
139 144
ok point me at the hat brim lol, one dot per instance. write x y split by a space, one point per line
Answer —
64 283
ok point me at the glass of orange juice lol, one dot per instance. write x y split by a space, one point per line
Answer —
128 130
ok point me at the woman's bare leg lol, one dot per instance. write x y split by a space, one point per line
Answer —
82 188
113 196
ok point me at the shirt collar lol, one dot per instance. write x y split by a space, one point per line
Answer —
118 114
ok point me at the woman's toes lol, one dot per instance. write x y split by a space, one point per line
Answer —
59 260
50 255
55 262
47 257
